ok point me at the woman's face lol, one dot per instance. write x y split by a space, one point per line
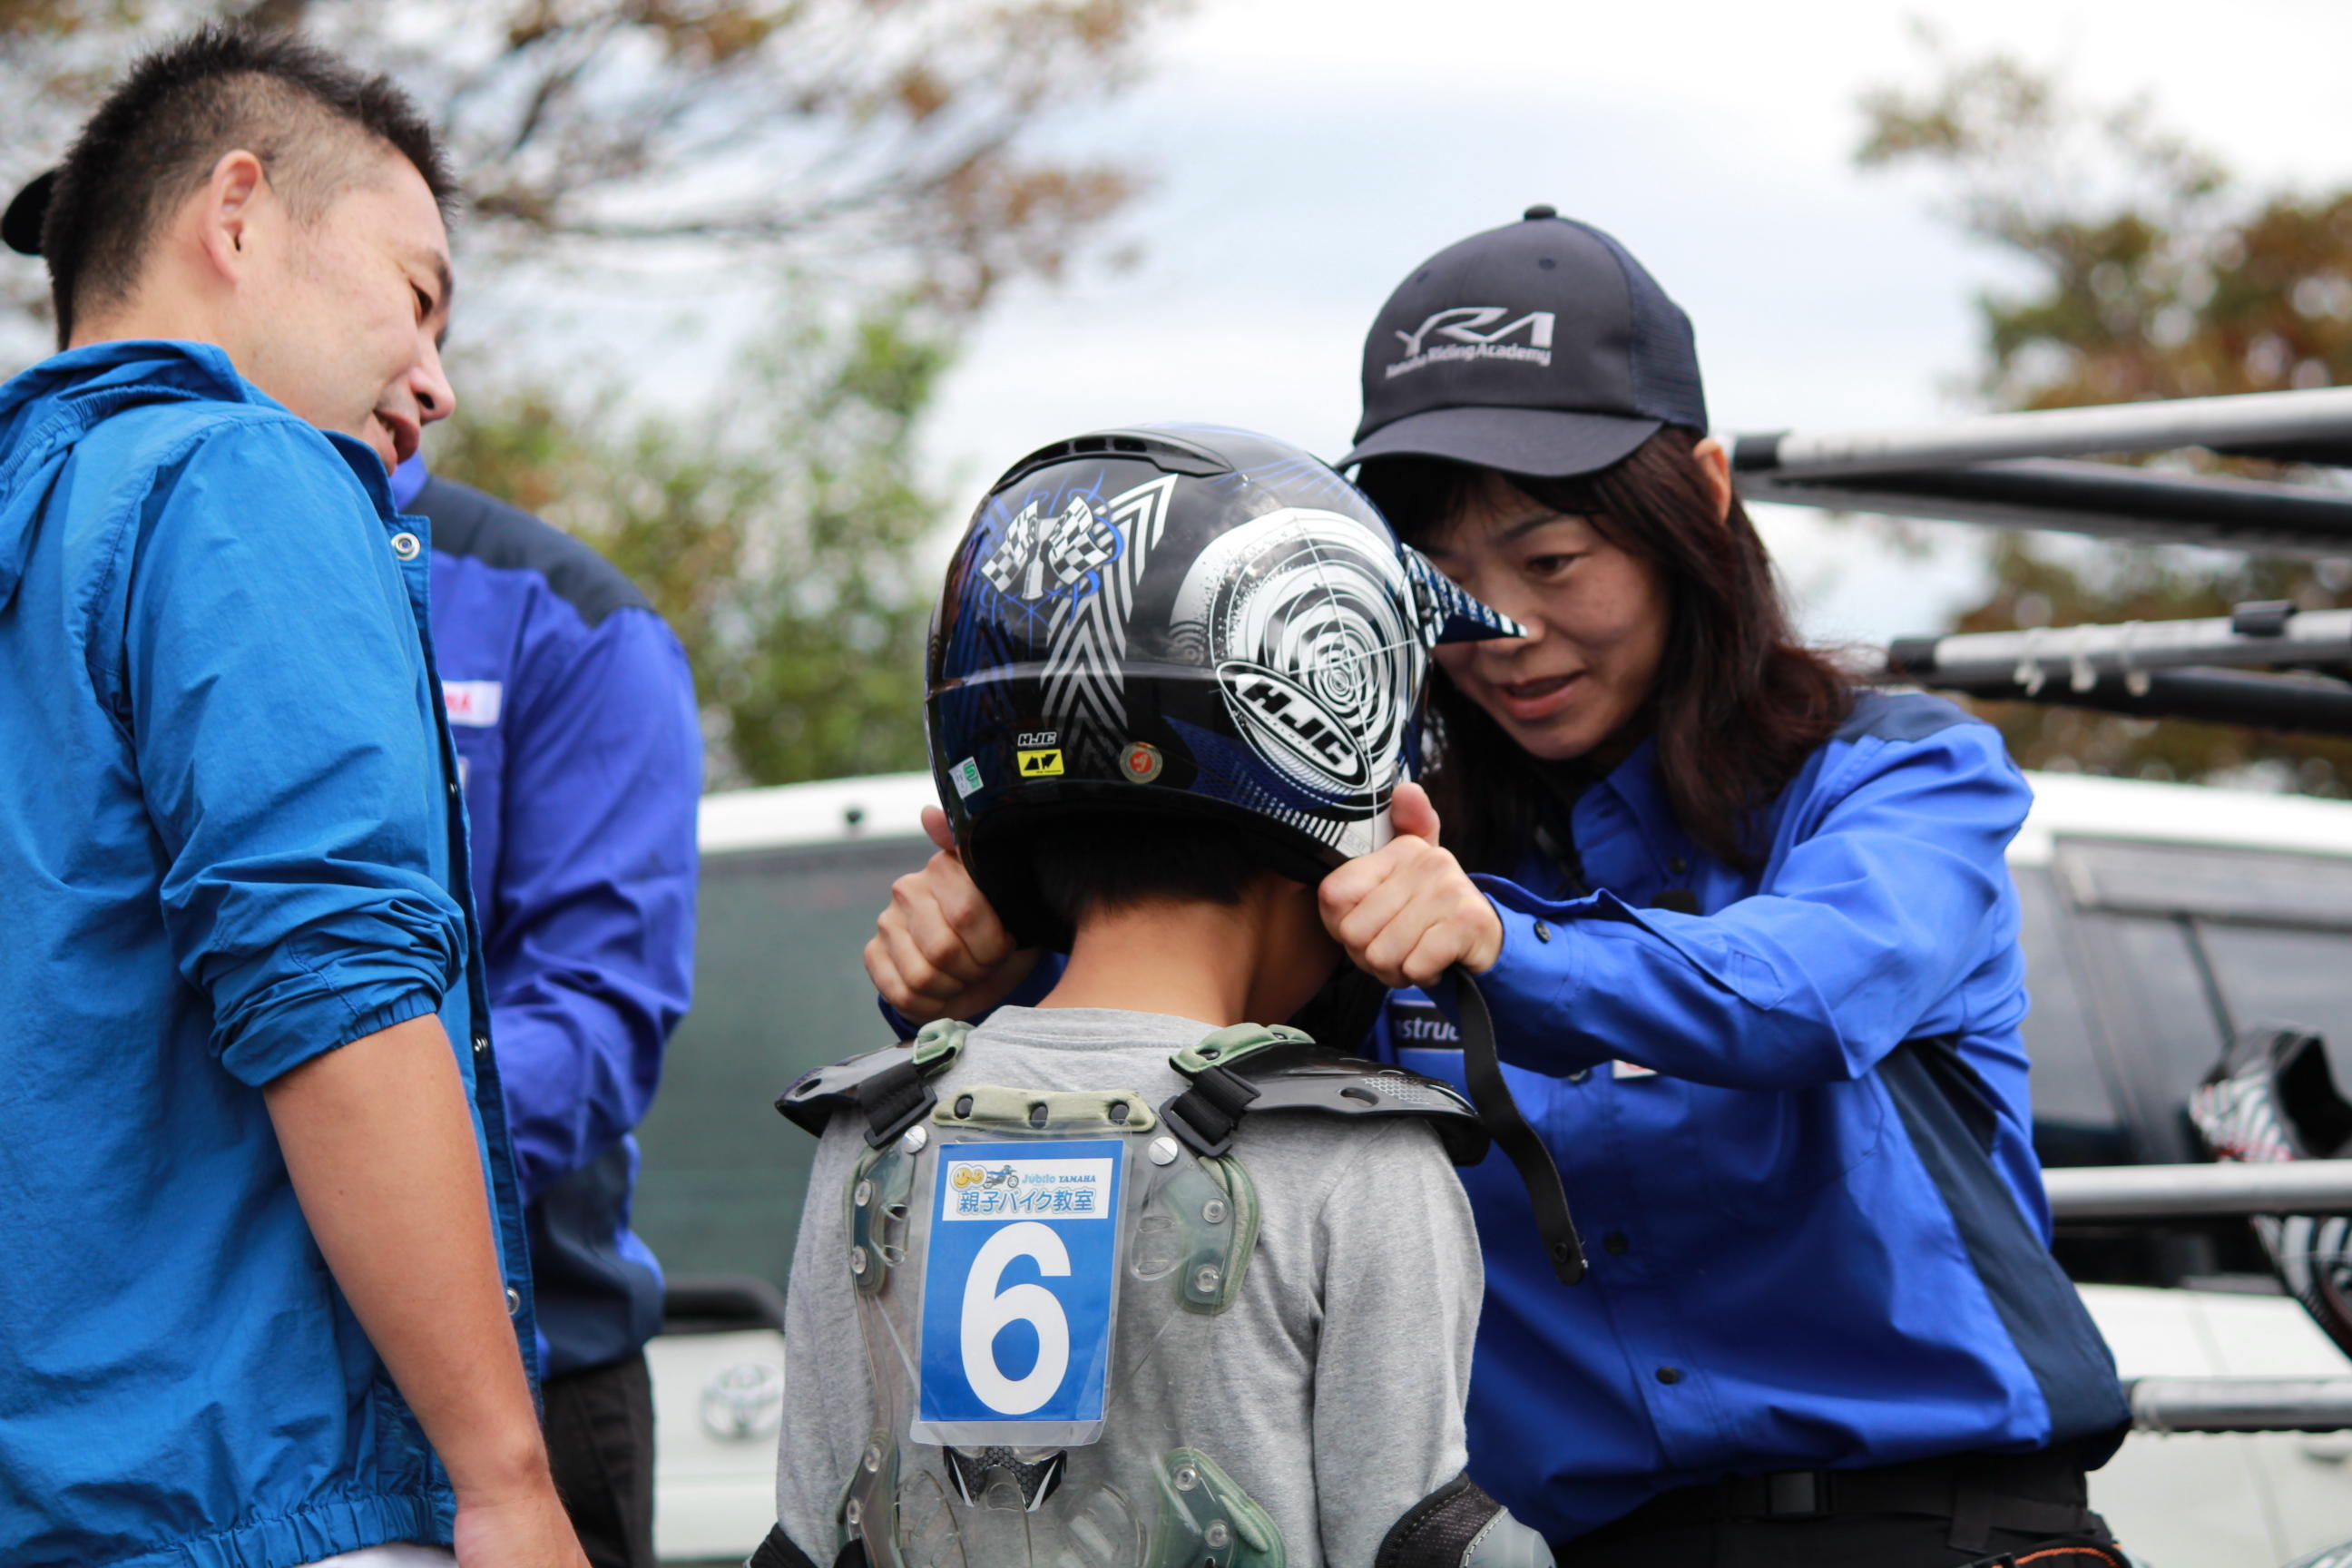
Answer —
1595 616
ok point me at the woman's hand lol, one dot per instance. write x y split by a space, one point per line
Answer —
938 951
1408 911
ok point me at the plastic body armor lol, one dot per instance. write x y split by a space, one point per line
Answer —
1110 1235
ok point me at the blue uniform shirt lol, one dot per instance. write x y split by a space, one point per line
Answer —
574 718
1794 1129
230 841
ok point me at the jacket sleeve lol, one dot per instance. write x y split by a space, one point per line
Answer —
1883 904
272 684
591 929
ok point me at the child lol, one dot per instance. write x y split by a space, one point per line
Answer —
1124 1280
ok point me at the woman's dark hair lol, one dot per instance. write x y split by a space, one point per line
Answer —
1740 703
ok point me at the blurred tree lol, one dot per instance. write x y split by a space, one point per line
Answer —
2151 272
879 159
882 144
780 532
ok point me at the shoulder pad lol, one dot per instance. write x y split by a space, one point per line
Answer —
1283 1070
891 1086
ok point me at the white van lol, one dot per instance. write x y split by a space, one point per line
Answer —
2158 921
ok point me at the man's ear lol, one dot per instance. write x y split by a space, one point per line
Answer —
1715 470
231 200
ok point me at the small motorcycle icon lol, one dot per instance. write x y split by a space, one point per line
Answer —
1008 1178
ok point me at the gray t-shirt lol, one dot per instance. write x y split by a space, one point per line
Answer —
1337 1391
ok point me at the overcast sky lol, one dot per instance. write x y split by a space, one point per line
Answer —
1306 153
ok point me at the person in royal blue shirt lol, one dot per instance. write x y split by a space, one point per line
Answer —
1750 947
578 744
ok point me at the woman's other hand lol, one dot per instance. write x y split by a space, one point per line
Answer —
1408 911
938 951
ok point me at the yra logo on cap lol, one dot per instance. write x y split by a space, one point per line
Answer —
1462 324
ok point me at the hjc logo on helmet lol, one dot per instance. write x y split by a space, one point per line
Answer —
1463 324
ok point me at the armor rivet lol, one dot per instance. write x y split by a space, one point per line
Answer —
851 1512
1206 1278
1187 1478
1217 1534
858 1261
1213 1210
873 1456
864 1194
915 1138
1163 1150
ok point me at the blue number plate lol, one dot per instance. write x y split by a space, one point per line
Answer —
1019 1286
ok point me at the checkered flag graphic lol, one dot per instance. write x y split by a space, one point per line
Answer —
1082 542
1016 555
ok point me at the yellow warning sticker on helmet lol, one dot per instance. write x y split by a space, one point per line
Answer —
1040 764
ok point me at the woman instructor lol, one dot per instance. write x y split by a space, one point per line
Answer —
1750 947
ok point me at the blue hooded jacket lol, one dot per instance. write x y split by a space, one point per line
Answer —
230 840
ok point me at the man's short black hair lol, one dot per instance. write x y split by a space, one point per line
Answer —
1093 861
307 115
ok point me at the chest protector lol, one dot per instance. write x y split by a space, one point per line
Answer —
1041 1278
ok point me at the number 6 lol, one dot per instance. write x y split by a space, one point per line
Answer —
986 1310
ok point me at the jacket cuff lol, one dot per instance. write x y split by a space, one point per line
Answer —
1540 975
276 1040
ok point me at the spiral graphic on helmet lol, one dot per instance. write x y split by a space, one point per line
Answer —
1304 616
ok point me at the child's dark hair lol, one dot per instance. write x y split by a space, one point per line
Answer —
1102 860
309 118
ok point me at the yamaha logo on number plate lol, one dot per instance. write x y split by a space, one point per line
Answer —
1020 1282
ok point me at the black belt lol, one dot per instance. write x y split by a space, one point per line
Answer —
2038 1493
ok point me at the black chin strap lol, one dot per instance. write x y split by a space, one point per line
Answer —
1482 1073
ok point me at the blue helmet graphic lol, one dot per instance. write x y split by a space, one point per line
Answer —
1180 619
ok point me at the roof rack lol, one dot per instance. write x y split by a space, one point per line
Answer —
2015 471
2025 470
2155 669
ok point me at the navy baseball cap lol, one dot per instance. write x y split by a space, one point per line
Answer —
1540 348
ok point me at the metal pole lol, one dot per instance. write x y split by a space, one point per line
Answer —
2197 1192
2302 704
2104 500
2249 419
2241 1404
2081 655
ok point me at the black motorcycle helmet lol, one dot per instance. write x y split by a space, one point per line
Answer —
1180 620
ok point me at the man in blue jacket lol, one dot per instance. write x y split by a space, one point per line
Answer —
263 1299
574 718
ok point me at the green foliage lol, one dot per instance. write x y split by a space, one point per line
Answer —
891 143
780 532
2153 274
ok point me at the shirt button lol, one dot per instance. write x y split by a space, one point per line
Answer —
514 1300
481 1044
1678 864
1543 932
1580 1075
1670 1374
407 546
1615 1243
